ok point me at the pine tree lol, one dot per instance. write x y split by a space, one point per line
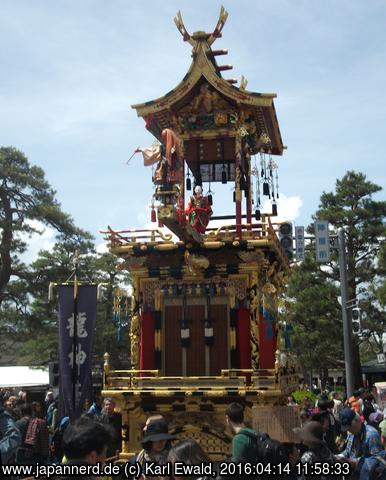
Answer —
25 197
352 207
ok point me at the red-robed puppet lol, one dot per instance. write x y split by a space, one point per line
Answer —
199 210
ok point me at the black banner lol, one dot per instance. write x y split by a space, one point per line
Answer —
75 345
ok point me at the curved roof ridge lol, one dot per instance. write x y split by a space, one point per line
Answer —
202 65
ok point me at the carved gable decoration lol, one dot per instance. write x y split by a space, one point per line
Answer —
207 110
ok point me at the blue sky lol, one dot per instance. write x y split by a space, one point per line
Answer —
71 69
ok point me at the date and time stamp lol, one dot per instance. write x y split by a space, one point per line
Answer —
246 469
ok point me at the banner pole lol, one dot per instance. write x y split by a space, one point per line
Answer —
75 336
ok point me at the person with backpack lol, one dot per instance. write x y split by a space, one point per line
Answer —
10 438
246 441
34 446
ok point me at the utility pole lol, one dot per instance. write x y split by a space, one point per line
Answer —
347 329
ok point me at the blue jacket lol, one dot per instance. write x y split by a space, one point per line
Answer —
364 444
10 437
94 411
373 467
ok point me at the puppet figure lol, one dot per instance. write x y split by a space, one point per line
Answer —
168 156
199 210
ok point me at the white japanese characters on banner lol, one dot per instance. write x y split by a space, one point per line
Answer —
75 344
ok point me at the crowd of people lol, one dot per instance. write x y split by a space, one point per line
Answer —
347 437
31 433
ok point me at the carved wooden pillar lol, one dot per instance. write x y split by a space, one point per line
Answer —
135 330
254 306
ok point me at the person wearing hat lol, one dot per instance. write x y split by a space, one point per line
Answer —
156 443
363 440
311 435
375 419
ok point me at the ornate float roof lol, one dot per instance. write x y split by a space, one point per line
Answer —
163 112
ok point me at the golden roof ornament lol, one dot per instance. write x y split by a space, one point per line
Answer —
200 35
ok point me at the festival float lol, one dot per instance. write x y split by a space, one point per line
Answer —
205 303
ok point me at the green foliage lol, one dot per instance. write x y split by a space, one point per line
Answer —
380 289
316 317
314 288
25 198
301 395
351 206
28 322
54 266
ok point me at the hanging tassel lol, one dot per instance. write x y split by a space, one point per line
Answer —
258 201
257 215
209 337
274 209
234 195
210 199
153 215
185 337
223 176
266 189
188 184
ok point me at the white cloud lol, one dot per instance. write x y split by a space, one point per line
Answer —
102 248
44 240
288 207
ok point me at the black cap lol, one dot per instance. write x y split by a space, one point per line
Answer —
157 431
346 418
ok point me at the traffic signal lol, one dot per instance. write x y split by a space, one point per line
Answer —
53 374
356 320
286 239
